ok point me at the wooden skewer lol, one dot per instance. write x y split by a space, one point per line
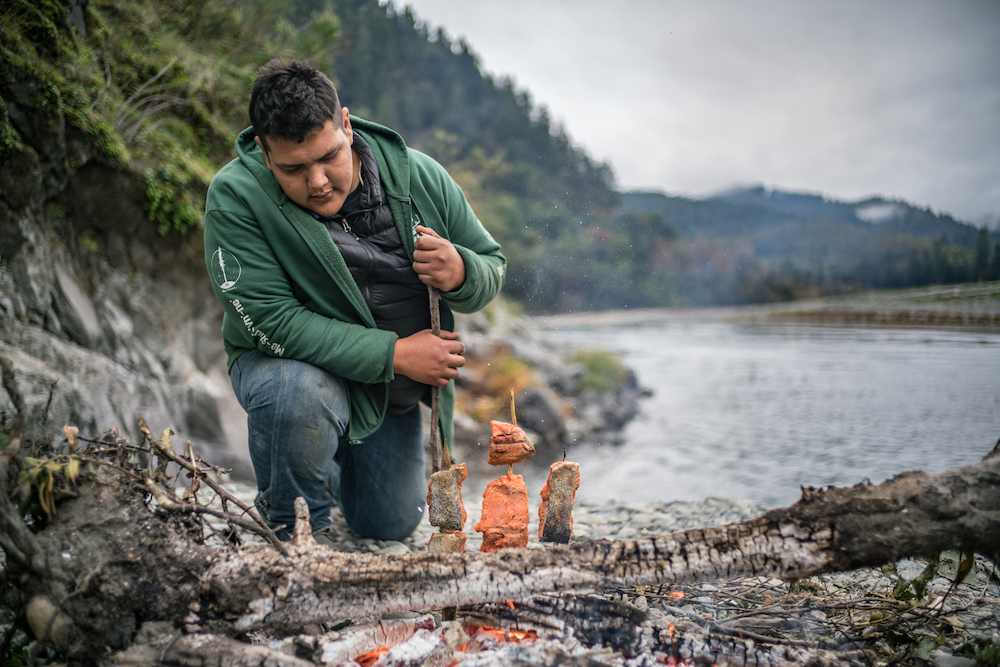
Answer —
436 458
513 415
513 420
447 613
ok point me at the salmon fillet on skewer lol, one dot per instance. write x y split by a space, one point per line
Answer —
444 498
555 516
508 444
505 514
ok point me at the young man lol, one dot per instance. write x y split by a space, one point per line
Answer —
321 238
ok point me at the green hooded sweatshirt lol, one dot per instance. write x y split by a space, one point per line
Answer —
287 291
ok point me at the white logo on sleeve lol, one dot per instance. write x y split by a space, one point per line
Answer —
226 269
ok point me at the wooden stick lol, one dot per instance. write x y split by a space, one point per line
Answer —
436 457
513 420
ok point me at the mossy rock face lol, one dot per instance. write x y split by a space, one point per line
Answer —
150 88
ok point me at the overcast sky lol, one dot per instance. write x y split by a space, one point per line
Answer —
846 98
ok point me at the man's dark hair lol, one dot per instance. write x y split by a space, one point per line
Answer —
291 99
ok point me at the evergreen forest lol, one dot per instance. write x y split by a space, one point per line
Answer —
159 89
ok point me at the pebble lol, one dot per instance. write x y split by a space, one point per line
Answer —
945 658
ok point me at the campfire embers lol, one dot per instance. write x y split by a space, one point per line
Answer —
590 620
585 630
416 642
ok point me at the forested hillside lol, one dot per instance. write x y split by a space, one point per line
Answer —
795 244
159 88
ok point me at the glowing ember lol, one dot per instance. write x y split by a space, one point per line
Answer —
368 659
673 658
500 634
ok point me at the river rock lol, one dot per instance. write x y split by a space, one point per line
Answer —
554 408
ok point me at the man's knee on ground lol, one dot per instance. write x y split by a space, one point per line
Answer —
394 524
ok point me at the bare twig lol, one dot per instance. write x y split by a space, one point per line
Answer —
48 403
166 452
764 639
109 464
173 505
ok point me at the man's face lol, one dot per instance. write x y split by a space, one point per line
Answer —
318 173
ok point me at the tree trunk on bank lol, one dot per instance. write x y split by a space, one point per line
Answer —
110 559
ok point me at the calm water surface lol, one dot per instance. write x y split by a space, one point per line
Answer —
758 411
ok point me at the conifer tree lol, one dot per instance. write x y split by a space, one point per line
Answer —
994 270
982 263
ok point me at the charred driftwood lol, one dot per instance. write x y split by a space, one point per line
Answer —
112 558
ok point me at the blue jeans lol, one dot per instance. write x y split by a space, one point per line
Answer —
297 416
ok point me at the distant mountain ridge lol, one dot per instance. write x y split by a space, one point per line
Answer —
774 245
749 209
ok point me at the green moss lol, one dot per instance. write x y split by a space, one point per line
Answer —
158 86
170 200
10 141
604 371
88 244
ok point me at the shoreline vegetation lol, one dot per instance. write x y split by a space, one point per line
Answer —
963 306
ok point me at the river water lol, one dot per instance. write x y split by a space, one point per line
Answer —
756 412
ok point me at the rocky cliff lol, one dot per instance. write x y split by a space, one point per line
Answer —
106 321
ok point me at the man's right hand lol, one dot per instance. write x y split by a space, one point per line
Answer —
430 359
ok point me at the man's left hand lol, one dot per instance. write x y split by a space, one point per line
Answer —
436 261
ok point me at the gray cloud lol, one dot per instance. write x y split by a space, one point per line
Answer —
848 98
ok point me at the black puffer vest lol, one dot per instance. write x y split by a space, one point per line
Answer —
367 237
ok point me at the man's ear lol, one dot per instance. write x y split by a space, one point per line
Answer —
267 158
348 130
